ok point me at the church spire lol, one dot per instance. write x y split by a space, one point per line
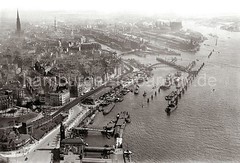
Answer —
18 30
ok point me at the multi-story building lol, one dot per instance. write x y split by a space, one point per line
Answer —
59 98
75 90
18 93
12 140
6 101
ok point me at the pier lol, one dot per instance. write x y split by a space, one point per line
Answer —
84 131
174 96
172 64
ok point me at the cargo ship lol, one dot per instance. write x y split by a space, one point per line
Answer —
109 108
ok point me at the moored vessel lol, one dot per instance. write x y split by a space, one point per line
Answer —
109 108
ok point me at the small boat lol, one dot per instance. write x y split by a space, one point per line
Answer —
144 94
136 91
171 107
128 119
119 99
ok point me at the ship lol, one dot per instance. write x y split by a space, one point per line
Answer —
128 119
93 117
140 80
125 91
171 107
127 156
177 80
109 126
119 99
105 103
166 85
109 108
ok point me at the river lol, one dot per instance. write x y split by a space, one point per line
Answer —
205 126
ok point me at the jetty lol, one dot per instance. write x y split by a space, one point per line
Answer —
172 64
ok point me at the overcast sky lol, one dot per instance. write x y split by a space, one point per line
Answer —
180 7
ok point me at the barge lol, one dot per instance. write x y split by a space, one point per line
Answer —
109 108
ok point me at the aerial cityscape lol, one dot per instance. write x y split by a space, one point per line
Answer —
119 85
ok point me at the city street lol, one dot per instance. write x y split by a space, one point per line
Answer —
41 152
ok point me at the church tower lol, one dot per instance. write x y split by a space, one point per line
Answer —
18 30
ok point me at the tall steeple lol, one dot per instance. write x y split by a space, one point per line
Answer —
18 30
